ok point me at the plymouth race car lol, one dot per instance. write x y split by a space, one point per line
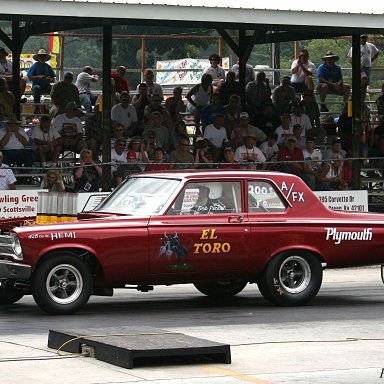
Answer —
219 230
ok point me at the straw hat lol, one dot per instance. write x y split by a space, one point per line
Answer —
329 55
42 52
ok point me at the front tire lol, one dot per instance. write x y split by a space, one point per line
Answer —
221 289
8 297
62 284
291 278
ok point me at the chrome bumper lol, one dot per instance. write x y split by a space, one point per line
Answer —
14 271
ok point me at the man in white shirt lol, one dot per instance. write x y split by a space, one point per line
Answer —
215 132
125 113
302 72
118 154
7 178
83 84
313 158
249 152
368 54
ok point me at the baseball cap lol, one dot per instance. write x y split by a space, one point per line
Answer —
292 138
229 148
244 115
297 126
131 155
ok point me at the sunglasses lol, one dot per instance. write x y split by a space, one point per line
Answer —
136 142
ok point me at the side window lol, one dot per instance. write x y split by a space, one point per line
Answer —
262 197
208 198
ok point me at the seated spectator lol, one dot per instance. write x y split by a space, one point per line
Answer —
155 106
258 92
151 143
269 148
179 132
331 176
230 87
336 149
302 73
291 157
237 137
380 102
118 154
216 71
159 163
210 111
229 161
93 128
312 165
198 97
136 145
53 181
88 175
125 113
41 74
204 154
283 96
153 88
7 99
118 133
257 132
13 142
175 105
62 93
140 101
69 126
297 130
330 80
83 84
161 132
284 130
181 157
249 152
232 116
7 178
267 120
47 142
121 82
299 117
129 168
217 135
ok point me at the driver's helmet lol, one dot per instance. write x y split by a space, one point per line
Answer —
215 189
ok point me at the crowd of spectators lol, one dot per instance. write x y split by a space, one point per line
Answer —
277 129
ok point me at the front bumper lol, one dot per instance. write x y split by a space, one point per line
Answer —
10 270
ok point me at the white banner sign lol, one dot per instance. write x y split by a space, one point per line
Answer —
344 200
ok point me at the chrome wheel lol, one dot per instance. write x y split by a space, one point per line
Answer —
295 274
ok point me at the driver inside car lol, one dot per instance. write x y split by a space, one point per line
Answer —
208 201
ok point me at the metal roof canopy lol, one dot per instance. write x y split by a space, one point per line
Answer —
256 25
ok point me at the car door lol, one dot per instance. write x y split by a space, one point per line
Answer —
201 240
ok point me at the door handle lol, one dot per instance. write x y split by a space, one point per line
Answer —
235 219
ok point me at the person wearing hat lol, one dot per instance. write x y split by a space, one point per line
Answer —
291 157
7 177
330 80
41 74
313 158
249 152
336 149
229 161
69 126
6 73
63 92
83 84
299 117
13 142
257 132
283 95
368 54
121 82
302 72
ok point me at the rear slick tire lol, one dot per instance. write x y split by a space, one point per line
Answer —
221 289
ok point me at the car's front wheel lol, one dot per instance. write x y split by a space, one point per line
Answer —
291 279
221 289
62 284
9 297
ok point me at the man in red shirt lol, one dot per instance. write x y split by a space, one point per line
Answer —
292 157
121 82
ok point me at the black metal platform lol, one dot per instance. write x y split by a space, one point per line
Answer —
129 346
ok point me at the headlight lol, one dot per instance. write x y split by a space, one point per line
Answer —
16 247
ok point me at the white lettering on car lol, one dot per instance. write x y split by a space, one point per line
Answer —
62 235
338 236
290 193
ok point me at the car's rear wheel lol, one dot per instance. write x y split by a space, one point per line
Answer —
62 284
291 278
9 297
221 289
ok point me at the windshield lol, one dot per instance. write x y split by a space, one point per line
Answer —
139 195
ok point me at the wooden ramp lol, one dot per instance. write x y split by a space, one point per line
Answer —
139 346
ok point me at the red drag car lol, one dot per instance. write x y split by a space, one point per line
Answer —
219 230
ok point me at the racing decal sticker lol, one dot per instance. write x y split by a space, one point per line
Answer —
291 194
171 246
63 235
210 247
333 234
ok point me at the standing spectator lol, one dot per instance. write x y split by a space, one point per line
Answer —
88 175
13 142
283 96
7 74
368 54
175 105
216 71
125 113
53 181
198 97
249 152
291 157
62 93
181 157
258 92
140 101
302 72
7 99
249 72
47 142
121 82
153 88
69 126
41 74
330 80
83 84
230 87
7 178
